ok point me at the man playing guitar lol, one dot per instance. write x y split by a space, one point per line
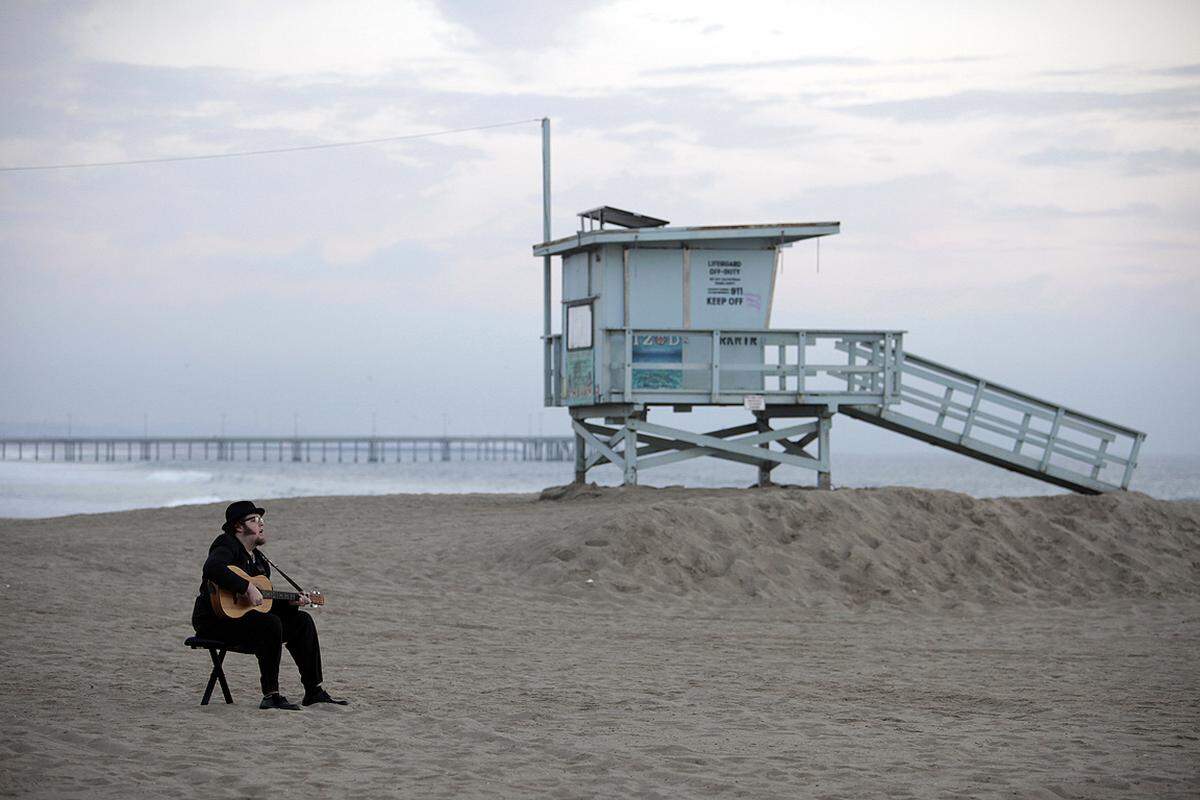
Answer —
244 532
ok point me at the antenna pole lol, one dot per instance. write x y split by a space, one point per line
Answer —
547 354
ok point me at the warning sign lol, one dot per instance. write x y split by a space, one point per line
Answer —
724 286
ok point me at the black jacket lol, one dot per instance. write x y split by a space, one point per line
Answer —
226 551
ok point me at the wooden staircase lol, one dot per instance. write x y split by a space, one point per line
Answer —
969 415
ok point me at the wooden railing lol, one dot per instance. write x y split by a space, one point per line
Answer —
967 413
721 367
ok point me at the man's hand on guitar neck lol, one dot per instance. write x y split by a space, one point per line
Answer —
253 595
302 600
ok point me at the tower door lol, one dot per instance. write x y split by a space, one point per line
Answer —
579 375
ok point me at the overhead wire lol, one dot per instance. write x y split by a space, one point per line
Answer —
272 151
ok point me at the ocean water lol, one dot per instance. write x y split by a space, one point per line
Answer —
44 489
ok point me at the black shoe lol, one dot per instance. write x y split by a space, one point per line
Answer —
278 701
319 695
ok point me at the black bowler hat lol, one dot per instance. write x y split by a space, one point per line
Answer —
239 511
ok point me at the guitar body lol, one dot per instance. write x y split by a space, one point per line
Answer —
228 605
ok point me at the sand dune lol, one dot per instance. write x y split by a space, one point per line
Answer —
777 643
904 547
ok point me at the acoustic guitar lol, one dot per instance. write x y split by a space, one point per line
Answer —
228 605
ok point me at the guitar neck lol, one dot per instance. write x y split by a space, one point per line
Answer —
271 594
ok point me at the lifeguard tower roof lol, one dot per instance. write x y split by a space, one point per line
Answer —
776 233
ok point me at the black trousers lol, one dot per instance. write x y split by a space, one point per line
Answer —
267 633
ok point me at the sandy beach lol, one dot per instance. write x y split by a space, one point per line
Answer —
773 643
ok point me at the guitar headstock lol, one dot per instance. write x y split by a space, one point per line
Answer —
316 598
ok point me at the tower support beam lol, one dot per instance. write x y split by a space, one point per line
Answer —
633 444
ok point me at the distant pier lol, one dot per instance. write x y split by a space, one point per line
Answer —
304 449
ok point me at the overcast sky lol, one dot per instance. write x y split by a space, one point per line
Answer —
1018 185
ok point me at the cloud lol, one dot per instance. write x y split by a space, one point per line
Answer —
517 26
284 37
1122 70
1185 71
742 66
1131 162
851 62
1078 73
1182 102
1047 212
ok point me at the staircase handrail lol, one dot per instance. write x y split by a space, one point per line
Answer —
971 380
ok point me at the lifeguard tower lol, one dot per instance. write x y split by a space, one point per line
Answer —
655 316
